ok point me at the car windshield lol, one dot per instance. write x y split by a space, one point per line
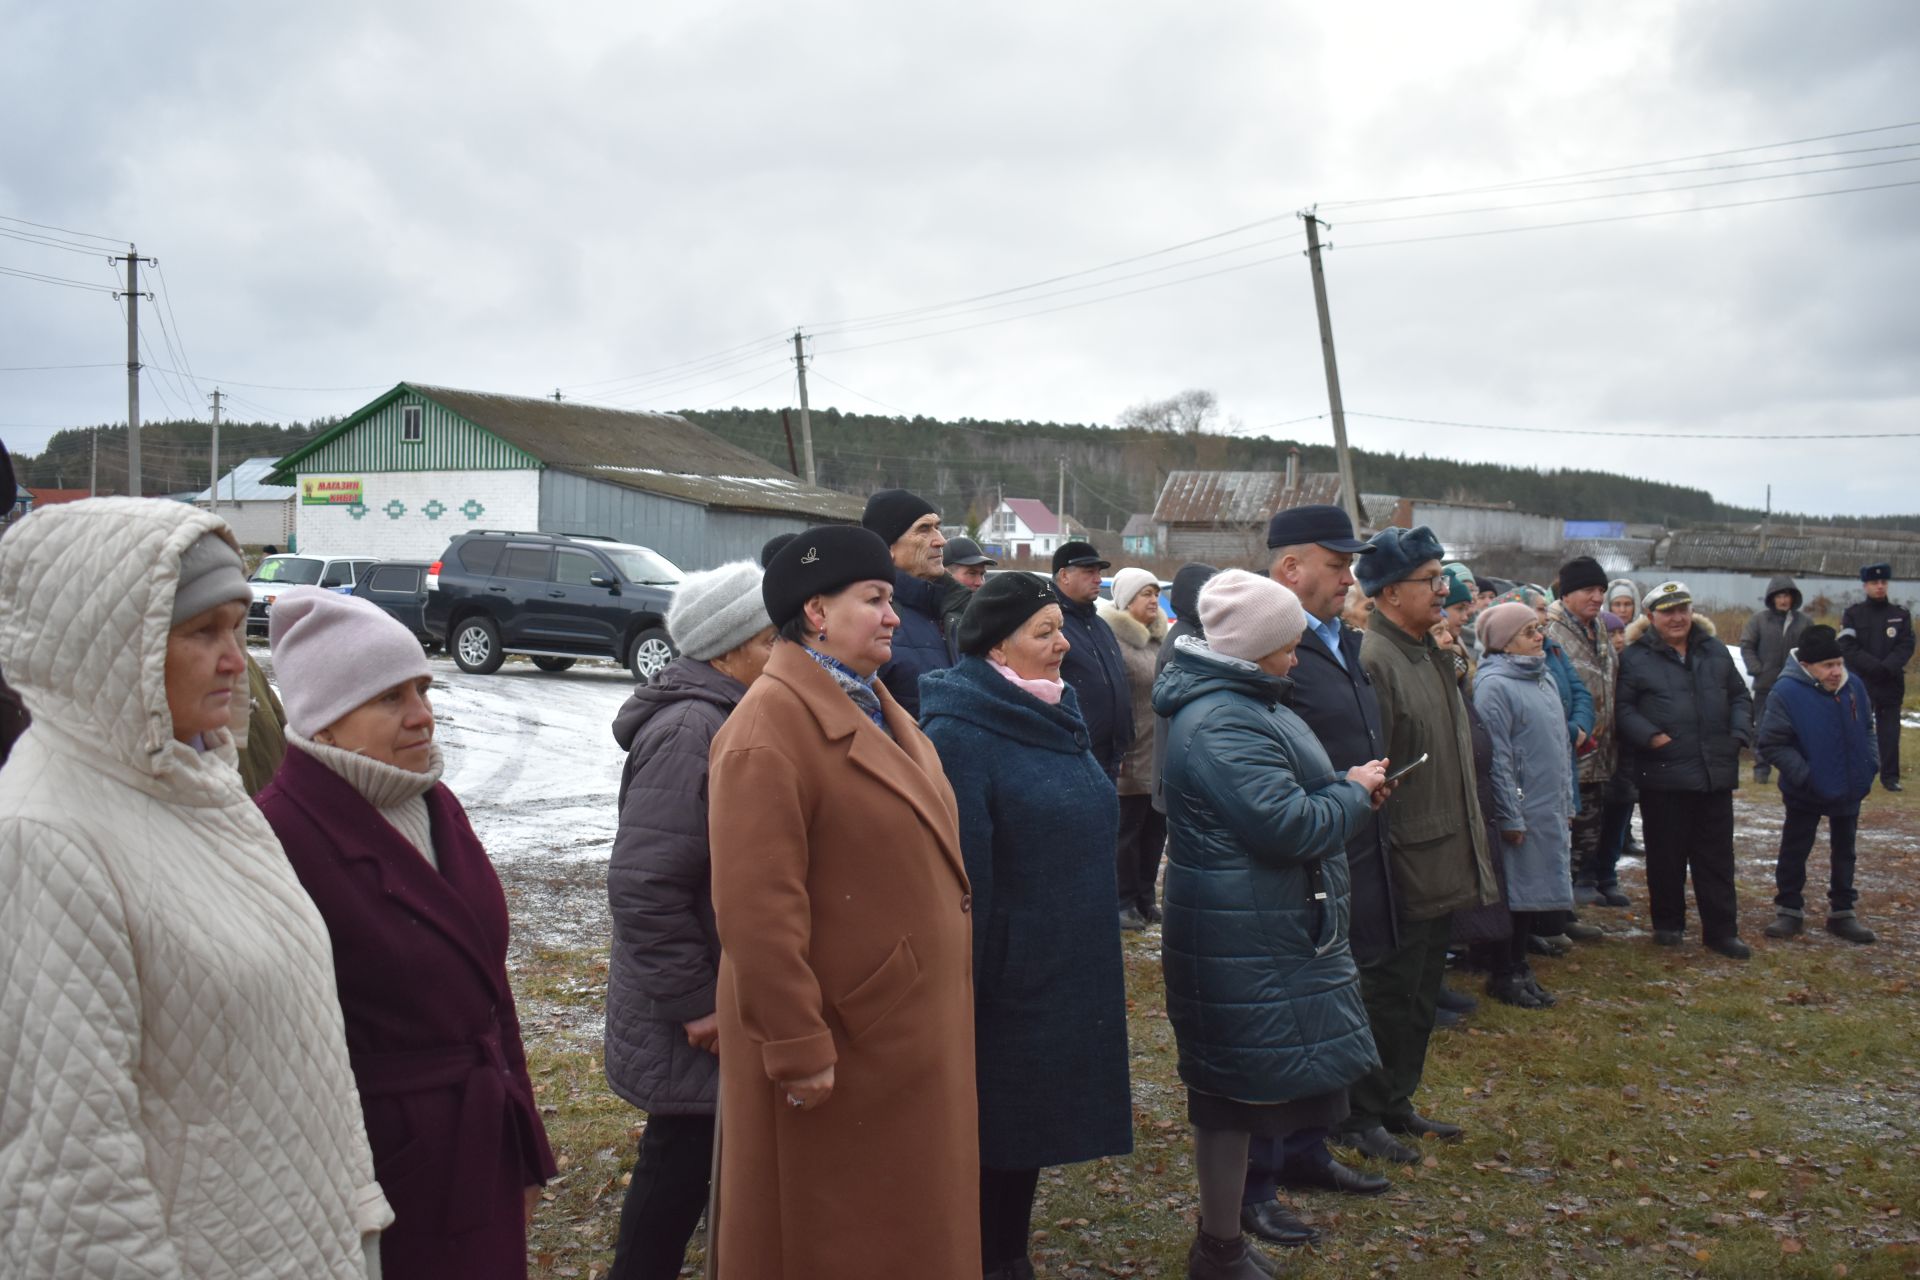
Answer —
293 570
648 568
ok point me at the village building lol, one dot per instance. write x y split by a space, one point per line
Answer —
1026 529
261 514
1220 517
399 477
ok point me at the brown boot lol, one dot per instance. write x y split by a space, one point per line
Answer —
1215 1259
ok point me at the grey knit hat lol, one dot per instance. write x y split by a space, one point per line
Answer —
717 611
211 573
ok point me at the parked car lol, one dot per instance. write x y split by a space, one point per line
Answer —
277 572
555 597
400 587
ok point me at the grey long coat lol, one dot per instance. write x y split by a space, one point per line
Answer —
1532 789
666 951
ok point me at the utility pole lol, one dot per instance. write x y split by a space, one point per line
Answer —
806 419
133 260
215 504
1060 502
786 425
93 463
556 395
1348 497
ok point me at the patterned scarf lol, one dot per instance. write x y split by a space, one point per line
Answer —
858 687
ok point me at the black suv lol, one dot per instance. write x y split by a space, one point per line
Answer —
554 596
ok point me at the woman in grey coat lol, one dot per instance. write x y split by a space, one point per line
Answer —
1532 787
662 1035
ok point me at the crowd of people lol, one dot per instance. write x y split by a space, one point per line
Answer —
883 826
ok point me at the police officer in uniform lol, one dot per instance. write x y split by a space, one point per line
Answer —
1876 637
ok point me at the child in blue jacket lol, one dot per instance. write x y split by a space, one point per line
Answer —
1818 735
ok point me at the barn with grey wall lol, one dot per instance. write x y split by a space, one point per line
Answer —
690 535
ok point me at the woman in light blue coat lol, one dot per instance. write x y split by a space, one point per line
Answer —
1533 794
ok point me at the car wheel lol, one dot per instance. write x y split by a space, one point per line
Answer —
651 651
476 646
553 664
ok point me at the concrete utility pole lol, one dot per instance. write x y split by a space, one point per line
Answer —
1060 502
556 395
1349 498
93 463
806 418
215 504
133 260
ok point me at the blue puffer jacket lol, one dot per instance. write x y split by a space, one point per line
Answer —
1822 743
920 641
1262 989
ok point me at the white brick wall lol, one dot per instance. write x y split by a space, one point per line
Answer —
398 521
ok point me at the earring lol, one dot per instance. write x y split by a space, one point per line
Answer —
823 635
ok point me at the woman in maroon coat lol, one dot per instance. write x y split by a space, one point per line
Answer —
419 929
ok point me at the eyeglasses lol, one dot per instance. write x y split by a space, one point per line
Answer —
1438 583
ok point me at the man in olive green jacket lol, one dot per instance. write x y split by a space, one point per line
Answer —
1437 843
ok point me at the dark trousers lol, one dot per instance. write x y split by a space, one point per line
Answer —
1509 955
1587 827
1761 771
1616 824
1690 830
1143 836
1886 727
1269 1158
1796 843
1006 1214
665 1199
1399 990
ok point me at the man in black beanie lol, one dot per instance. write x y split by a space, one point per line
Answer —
1573 619
910 526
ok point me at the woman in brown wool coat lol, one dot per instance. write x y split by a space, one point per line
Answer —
848 1137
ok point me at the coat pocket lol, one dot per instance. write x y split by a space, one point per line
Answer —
863 1008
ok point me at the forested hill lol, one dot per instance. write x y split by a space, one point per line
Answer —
1111 473
175 457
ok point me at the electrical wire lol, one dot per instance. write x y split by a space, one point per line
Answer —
267 386
49 242
60 280
742 391
115 241
166 296
647 373
726 367
1654 435
43 368
863 395
1627 217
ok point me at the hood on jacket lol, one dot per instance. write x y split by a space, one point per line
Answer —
1781 582
1702 624
682 680
974 692
86 602
1195 671
1130 631
1184 594
1624 587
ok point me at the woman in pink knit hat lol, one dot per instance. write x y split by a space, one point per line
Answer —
419 929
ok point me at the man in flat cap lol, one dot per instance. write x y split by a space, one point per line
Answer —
1437 842
1876 636
967 562
1094 666
910 526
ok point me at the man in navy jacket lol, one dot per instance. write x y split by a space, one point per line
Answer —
910 526
1093 666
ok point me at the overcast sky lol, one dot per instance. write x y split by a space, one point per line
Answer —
514 197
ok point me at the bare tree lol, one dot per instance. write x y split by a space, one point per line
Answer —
1190 412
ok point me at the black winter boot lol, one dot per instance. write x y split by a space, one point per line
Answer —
1214 1259
1849 928
1785 926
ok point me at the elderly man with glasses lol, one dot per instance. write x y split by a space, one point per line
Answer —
1437 842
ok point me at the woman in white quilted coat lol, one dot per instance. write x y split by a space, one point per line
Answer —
175 1095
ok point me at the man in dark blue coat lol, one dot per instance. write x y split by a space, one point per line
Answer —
1313 549
1094 666
910 526
1876 635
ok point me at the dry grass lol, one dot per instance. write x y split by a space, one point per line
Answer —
1676 1114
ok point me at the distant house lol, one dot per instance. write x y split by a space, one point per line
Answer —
1728 568
1137 538
1025 528
1472 529
405 472
21 504
55 497
1221 516
261 514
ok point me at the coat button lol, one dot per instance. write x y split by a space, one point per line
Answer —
966 902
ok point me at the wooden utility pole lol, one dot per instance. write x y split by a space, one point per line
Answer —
806 418
133 260
1349 498
215 504
786 425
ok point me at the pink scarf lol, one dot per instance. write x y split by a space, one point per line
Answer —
1048 691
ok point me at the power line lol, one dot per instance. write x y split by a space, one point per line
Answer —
166 296
267 386
1653 435
60 280
115 241
863 395
651 389
44 368
742 391
1643 164
49 242
1628 217
667 368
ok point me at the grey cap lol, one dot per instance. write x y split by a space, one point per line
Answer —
964 551
211 573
